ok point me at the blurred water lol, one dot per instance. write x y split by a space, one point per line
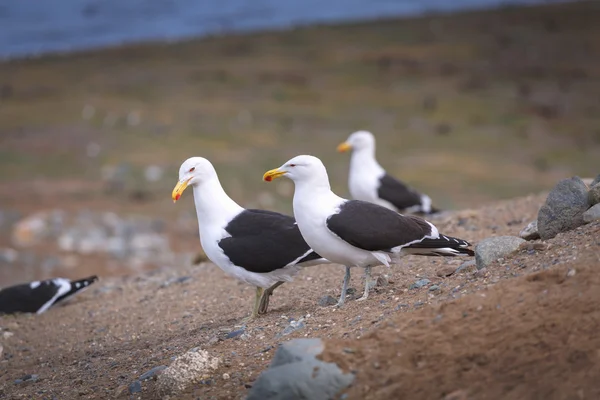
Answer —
32 27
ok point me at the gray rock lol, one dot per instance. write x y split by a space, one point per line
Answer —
27 378
564 208
152 373
490 249
594 194
465 265
236 333
295 373
292 327
135 387
595 181
420 283
530 232
169 282
593 214
434 288
327 301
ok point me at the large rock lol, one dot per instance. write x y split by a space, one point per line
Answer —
594 194
564 208
187 369
490 249
530 232
593 214
295 373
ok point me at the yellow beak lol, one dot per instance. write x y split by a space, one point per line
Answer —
179 188
344 147
273 174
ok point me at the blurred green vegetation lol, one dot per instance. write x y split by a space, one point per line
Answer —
467 107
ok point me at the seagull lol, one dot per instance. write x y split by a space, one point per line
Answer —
38 296
259 247
368 181
357 233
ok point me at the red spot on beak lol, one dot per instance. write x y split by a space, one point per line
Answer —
178 196
268 179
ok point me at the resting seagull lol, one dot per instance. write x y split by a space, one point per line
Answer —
356 233
368 181
259 247
39 296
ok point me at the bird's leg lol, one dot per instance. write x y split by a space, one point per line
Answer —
264 301
367 283
259 293
344 287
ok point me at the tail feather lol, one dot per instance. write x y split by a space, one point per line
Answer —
77 286
442 246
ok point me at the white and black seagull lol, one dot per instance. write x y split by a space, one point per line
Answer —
39 296
259 247
368 181
356 233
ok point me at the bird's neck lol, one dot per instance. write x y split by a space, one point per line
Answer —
213 205
310 192
363 160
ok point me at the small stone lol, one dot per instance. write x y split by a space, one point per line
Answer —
187 369
564 207
27 379
594 194
327 301
420 283
296 373
490 249
530 232
446 270
7 334
595 181
236 333
291 328
571 272
382 281
465 265
434 288
593 214
226 376
152 373
135 387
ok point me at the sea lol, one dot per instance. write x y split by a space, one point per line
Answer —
30 28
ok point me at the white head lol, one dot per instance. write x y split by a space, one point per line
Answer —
360 140
193 171
301 169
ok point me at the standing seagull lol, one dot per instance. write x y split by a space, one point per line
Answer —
356 233
262 248
39 296
368 181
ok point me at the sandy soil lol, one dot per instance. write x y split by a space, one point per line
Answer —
524 328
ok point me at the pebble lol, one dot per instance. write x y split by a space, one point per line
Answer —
446 271
152 373
292 327
27 378
171 281
226 376
593 214
434 288
490 249
420 283
530 232
135 387
465 265
564 207
594 194
327 301
382 281
236 333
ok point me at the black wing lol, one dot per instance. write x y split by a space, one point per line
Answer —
397 193
263 241
22 298
372 227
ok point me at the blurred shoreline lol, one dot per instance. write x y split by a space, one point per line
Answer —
28 30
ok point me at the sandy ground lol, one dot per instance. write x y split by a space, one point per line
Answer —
523 328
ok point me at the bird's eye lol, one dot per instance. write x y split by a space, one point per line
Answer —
292 165
192 169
